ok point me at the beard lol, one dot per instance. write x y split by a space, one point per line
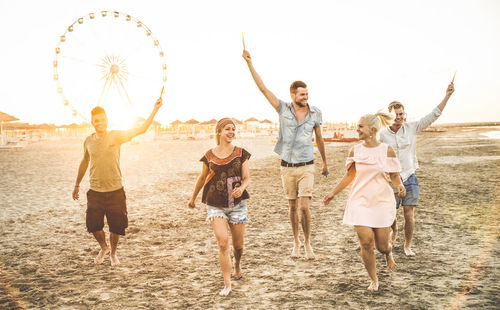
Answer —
300 104
100 129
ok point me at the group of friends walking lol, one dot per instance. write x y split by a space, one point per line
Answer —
381 170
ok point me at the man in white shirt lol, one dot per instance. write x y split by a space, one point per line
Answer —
402 137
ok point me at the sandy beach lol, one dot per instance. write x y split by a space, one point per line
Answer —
169 255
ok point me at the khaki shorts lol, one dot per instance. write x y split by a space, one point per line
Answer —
297 181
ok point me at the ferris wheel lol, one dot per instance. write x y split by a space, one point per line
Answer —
109 59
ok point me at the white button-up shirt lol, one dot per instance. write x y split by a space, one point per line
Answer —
404 141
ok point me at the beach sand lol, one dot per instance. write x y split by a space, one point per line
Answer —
169 255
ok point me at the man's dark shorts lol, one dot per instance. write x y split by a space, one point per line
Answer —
113 205
412 192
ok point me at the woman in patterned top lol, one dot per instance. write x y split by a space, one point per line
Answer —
224 179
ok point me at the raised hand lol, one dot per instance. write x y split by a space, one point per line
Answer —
450 89
158 103
246 56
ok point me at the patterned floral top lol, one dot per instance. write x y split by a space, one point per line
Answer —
224 176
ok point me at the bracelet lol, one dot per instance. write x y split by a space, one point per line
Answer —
77 185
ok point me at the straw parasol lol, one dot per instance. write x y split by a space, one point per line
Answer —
176 123
4 117
154 123
252 119
192 122
213 121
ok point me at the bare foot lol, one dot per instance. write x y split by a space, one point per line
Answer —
114 260
373 286
391 264
296 251
237 271
100 257
225 291
409 252
309 252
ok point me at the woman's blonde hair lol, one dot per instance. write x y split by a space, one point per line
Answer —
378 120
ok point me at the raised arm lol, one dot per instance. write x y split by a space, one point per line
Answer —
260 84
321 148
427 120
144 127
84 164
346 180
449 91
199 185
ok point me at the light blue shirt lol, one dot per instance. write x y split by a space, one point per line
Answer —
295 139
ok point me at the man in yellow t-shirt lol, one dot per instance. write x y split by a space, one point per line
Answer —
106 196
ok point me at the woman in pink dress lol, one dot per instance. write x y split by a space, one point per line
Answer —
370 206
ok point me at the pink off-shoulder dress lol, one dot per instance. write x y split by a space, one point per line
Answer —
371 201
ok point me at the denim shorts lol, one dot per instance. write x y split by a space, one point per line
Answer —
234 215
412 192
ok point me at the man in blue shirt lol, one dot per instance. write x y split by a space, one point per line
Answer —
298 121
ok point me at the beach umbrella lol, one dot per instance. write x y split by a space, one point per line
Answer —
18 126
72 126
252 119
192 122
213 121
4 117
45 126
176 123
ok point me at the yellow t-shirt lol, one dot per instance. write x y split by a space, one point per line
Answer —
104 156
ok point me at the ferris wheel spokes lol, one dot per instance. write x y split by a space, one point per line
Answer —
104 90
125 91
134 51
113 79
103 43
139 76
83 93
78 60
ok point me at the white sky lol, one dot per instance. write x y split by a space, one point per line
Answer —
355 56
